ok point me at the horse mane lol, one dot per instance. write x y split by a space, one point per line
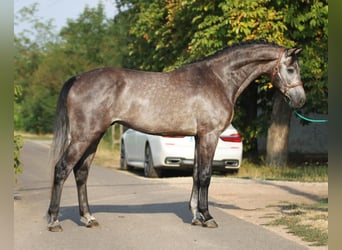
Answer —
239 45
246 44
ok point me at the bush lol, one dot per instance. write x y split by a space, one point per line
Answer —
18 144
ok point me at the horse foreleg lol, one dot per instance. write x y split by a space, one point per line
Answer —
204 179
208 145
193 205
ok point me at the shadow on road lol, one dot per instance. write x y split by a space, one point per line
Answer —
313 197
178 208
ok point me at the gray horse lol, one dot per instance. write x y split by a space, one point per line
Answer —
194 100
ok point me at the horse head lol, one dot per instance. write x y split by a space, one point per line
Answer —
286 76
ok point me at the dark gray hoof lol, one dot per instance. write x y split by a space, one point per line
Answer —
55 227
210 223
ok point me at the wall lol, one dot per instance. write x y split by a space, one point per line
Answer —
310 139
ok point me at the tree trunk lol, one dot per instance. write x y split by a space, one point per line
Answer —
277 135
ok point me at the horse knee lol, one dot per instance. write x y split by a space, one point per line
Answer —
204 178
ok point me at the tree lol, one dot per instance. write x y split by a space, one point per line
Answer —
278 132
307 23
165 35
31 46
44 63
169 34
92 40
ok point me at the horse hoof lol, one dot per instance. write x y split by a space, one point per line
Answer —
55 227
210 223
196 222
92 224
89 221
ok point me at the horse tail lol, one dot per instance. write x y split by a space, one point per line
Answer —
60 140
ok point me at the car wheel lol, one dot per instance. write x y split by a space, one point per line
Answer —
123 159
149 169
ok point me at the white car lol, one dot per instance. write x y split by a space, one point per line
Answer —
154 153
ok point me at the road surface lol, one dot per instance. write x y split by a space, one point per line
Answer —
133 212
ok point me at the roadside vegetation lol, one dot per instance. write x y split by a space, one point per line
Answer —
293 172
309 222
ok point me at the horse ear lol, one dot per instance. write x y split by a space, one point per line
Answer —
298 51
293 51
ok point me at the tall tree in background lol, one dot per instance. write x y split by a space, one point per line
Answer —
165 35
307 24
44 62
32 108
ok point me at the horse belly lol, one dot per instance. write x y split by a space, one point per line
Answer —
161 122
164 117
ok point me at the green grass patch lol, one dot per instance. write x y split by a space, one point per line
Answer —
305 232
305 173
309 222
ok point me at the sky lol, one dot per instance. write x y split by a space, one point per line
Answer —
61 10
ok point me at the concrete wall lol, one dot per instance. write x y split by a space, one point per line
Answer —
308 139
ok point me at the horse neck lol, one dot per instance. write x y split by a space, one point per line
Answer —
239 67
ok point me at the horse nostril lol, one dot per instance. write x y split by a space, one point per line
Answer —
302 102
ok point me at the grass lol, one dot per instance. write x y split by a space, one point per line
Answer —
107 155
309 222
304 173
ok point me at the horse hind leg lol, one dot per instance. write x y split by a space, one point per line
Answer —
61 172
62 169
81 175
81 172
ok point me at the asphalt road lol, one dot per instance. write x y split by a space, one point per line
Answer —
133 212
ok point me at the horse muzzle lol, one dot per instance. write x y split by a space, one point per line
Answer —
295 95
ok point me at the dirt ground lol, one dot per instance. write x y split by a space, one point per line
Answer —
258 201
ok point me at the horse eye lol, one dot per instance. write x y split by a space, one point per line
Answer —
290 70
